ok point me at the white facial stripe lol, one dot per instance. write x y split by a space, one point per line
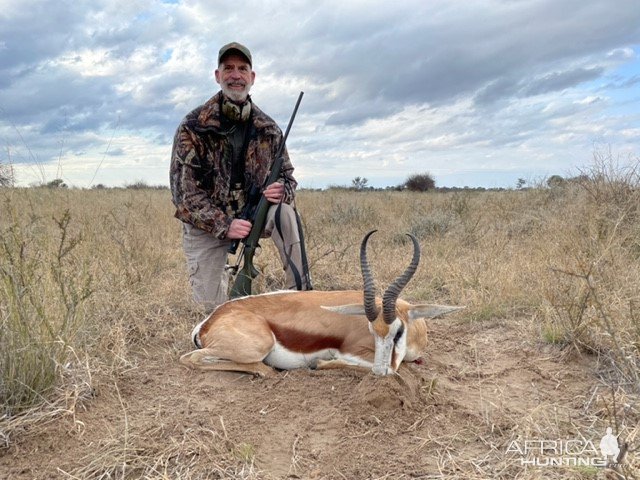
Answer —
385 347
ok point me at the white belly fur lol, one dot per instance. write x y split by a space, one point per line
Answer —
285 359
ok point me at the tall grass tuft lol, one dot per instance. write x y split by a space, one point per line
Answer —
84 274
595 265
43 288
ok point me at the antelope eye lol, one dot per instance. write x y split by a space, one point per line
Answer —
399 333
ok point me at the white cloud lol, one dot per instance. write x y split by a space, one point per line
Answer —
589 100
621 54
90 63
389 88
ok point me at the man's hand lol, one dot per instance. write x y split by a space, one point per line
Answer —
238 229
274 192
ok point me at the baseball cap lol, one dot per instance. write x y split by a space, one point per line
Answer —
237 48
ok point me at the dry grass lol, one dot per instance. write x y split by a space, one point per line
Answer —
85 275
144 454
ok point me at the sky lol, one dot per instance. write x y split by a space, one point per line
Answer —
477 93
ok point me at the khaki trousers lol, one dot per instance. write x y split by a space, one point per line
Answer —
206 257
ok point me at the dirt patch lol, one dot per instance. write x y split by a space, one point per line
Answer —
451 416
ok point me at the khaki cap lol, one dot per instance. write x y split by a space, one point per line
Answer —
237 47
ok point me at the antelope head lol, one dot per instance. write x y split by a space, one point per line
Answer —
391 319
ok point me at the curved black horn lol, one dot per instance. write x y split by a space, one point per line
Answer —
369 287
393 292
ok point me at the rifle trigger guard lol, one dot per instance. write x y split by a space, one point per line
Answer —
232 268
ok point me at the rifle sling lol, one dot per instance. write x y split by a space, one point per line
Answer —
303 253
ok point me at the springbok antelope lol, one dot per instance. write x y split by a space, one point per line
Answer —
288 330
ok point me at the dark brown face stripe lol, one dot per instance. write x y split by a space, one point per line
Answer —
303 342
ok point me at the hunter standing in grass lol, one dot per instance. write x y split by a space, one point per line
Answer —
220 149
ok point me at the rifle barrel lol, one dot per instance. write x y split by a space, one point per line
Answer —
286 132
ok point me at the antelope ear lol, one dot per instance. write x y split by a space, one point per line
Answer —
351 309
427 310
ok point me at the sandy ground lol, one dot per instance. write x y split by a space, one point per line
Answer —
479 387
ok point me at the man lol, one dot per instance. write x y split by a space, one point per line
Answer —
220 149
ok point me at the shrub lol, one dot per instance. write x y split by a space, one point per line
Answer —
555 181
43 287
57 183
594 265
420 182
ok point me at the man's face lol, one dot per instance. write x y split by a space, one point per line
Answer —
235 77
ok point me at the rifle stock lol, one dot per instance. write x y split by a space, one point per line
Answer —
242 284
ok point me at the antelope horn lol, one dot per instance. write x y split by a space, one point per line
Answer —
393 292
370 308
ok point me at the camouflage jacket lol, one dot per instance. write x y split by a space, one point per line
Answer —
200 176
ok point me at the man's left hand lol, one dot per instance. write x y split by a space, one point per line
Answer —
274 192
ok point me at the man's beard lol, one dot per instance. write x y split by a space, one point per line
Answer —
238 96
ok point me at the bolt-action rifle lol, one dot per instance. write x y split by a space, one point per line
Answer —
255 210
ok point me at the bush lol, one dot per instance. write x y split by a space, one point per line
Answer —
420 182
593 289
43 287
556 181
57 183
